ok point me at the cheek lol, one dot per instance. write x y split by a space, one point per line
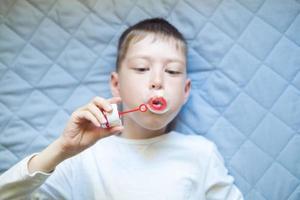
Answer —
176 86
177 92
132 91
134 85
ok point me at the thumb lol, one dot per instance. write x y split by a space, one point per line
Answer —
111 131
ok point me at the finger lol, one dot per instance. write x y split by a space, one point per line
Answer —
97 113
102 104
88 116
114 100
112 130
116 129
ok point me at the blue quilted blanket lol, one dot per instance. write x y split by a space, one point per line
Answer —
244 62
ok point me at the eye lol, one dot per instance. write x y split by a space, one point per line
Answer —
173 72
141 69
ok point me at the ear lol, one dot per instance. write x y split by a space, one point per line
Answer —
187 90
114 84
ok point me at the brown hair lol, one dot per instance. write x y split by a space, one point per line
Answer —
156 26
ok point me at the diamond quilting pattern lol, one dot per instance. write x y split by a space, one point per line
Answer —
252 5
30 68
295 195
234 137
9 50
7 157
285 59
272 180
13 90
208 45
287 159
49 31
23 18
56 125
272 127
43 6
287 107
267 36
90 30
120 10
206 7
58 91
232 62
183 13
296 81
18 128
45 107
79 57
245 113
243 161
219 91
266 86
243 59
2 69
269 11
5 117
233 23
68 14
203 114
294 29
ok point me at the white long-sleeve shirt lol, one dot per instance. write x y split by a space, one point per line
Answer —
172 166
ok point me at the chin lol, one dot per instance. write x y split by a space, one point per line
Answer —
154 126
154 122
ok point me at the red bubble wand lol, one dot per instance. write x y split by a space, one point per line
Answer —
141 108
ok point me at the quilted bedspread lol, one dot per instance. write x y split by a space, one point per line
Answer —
243 60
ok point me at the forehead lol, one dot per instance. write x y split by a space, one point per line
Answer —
156 47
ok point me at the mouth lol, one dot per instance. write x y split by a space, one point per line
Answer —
157 105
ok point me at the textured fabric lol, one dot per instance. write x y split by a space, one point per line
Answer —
243 60
171 166
18 179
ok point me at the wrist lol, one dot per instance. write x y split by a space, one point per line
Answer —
48 159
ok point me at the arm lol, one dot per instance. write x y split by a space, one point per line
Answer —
17 182
82 131
218 183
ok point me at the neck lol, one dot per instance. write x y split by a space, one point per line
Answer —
132 130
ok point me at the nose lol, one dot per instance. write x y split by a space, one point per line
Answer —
156 80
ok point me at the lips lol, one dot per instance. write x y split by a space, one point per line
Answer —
157 104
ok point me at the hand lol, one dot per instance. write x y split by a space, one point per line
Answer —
83 129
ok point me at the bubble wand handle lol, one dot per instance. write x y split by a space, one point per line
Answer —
142 108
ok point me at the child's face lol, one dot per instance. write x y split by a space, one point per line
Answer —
152 68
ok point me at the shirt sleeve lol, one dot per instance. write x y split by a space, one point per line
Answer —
18 183
219 185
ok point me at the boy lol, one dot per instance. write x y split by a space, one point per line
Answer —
139 160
